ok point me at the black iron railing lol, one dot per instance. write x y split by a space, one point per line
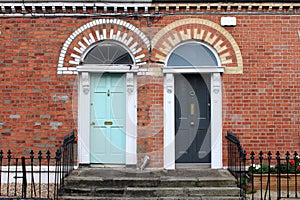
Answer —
236 159
264 175
36 175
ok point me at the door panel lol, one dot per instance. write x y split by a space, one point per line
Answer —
192 119
108 118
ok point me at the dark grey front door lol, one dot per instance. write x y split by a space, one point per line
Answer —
192 118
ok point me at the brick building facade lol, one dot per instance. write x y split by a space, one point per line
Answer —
53 56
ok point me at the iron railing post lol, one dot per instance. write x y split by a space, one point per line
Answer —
16 176
8 170
48 156
260 162
278 175
296 183
252 157
40 157
24 178
287 158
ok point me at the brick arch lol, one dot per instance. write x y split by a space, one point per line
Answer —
99 30
203 30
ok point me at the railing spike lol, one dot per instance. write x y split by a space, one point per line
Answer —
269 153
31 154
40 154
295 154
278 155
9 154
48 154
287 156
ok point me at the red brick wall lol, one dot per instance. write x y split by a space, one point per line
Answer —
38 107
35 103
150 119
262 105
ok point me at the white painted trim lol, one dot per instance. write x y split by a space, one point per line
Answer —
216 107
84 113
216 119
107 68
200 69
169 122
84 118
131 119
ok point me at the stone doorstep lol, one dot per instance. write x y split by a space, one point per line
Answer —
186 191
148 198
100 174
146 182
131 198
155 191
128 172
103 183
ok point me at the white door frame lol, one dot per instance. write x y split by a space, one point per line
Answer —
216 113
84 110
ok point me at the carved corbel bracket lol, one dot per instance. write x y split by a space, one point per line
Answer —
169 83
129 83
85 82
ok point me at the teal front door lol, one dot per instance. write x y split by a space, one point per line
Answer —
108 118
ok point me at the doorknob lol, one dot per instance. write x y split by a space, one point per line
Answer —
192 123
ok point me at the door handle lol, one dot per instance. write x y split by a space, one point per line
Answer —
108 123
93 123
192 123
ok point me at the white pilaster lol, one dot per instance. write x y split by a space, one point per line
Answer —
169 122
216 121
131 119
84 118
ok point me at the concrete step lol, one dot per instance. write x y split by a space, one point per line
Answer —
182 191
149 182
95 183
152 191
128 198
147 198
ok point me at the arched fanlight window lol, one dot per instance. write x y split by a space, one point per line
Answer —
108 52
192 54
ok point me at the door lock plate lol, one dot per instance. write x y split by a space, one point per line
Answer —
192 109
